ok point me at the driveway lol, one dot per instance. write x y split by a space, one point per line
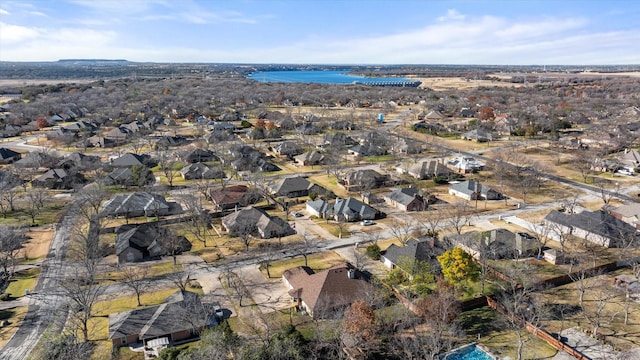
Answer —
270 295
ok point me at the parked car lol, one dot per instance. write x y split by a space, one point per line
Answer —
366 222
297 214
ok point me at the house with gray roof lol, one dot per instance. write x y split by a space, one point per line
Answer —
295 187
406 199
364 179
139 204
199 155
629 213
129 160
310 158
367 150
257 222
320 208
288 149
473 190
428 169
479 135
58 179
629 160
352 209
144 242
599 227
8 156
406 256
179 318
201 171
496 244
338 139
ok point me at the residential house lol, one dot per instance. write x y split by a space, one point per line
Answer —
496 244
201 171
130 160
221 126
36 160
58 179
338 139
323 294
406 199
250 159
629 160
257 222
406 146
179 318
310 158
199 156
8 156
473 190
365 179
80 162
352 209
428 169
406 256
100 142
165 142
320 208
288 149
139 204
599 227
467 113
81 127
295 187
308 129
118 135
479 135
367 150
147 241
234 196
433 115
629 213
465 164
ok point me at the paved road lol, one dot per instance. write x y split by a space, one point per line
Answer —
46 299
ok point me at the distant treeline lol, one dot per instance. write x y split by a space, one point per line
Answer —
106 69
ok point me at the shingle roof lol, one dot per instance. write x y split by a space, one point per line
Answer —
596 222
156 321
469 187
413 250
128 160
7 154
403 196
137 201
328 289
264 223
351 206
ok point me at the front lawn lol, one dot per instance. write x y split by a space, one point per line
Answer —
317 262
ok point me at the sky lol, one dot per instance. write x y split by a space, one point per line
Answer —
514 32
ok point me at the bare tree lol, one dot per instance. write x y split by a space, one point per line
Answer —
11 240
199 219
135 278
35 199
168 166
306 246
458 215
402 230
83 292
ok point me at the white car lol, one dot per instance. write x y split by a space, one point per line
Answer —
366 222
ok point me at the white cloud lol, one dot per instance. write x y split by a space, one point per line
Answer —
452 15
4 12
38 13
15 33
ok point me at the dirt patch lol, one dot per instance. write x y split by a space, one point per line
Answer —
38 245
457 83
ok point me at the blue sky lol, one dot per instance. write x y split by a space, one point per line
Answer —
324 32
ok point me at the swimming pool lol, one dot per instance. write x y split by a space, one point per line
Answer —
468 352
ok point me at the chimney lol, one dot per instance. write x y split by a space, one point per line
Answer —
351 273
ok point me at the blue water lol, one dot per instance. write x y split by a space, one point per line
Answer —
314 76
469 353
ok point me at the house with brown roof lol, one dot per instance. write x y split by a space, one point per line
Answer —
323 294
230 197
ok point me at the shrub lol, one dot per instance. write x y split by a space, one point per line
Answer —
439 180
373 251
313 195
5 297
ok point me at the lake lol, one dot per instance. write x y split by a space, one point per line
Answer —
317 76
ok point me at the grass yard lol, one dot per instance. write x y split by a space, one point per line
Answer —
49 214
318 262
25 279
154 269
563 302
329 182
14 316
486 327
37 247
333 228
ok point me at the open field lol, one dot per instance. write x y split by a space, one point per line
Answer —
459 83
37 246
